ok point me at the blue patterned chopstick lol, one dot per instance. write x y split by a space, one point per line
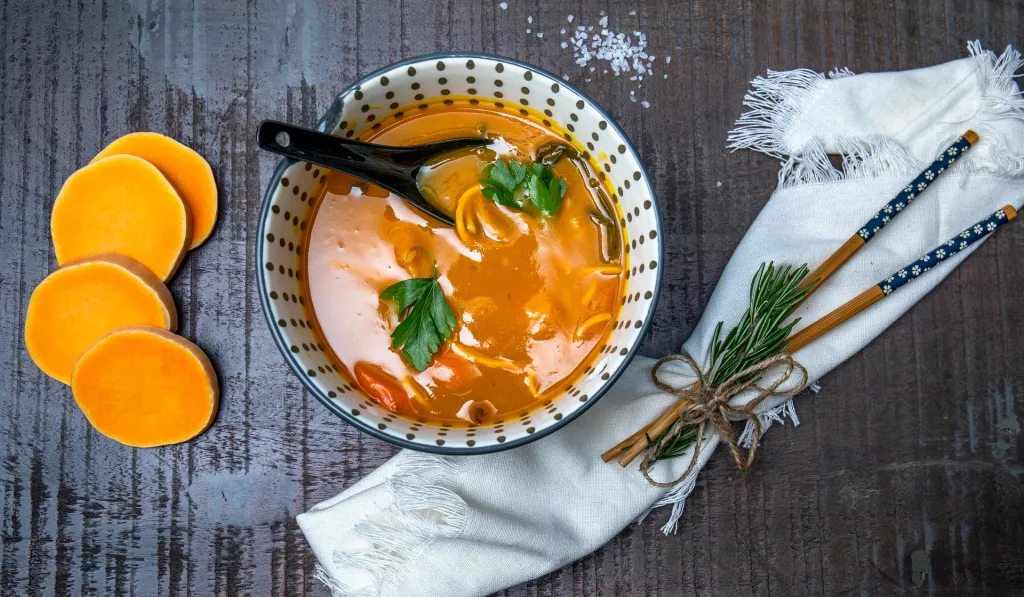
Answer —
945 251
891 284
917 186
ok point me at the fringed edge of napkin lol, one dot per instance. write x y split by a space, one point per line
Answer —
424 509
778 99
676 497
863 159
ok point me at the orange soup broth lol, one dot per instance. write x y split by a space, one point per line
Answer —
534 296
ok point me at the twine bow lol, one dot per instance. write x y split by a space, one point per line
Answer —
709 404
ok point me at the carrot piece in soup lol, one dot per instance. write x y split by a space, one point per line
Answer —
383 389
453 371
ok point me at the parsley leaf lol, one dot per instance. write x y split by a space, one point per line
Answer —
428 323
503 179
545 190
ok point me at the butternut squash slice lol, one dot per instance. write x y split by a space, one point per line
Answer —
186 170
144 386
83 301
121 204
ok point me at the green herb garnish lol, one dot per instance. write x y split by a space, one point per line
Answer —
501 180
761 333
427 324
504 180
544 189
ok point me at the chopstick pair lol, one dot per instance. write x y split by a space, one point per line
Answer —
901 277
630 448
889 211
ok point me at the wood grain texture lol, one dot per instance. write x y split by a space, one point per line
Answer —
913 446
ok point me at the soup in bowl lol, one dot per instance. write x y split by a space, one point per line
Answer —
483 335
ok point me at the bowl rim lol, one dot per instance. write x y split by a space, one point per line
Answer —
326 123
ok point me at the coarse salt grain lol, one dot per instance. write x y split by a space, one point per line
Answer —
503 5
540 34
646 104
529 19
621 51
624 54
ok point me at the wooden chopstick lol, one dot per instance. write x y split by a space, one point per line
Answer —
656 428
630 448
900 278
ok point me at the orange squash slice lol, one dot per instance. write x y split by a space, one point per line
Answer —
145 387
83 301
121 204
186 170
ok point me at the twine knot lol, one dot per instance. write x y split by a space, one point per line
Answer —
703 404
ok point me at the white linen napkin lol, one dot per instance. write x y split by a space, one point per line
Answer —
460 527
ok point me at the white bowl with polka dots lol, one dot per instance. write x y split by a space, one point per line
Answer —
393 92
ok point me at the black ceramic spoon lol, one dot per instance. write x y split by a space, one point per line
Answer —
389 167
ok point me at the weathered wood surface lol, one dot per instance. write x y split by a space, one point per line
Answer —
913 446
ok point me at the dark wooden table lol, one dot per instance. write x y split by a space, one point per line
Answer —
908 461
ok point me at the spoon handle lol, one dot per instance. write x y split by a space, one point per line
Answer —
359 159
389 167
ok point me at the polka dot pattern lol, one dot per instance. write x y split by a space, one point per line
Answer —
389 95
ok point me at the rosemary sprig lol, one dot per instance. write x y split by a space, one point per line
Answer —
678 447
760 333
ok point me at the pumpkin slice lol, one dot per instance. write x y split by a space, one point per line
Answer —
145 387
121 204
83 301
186 170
